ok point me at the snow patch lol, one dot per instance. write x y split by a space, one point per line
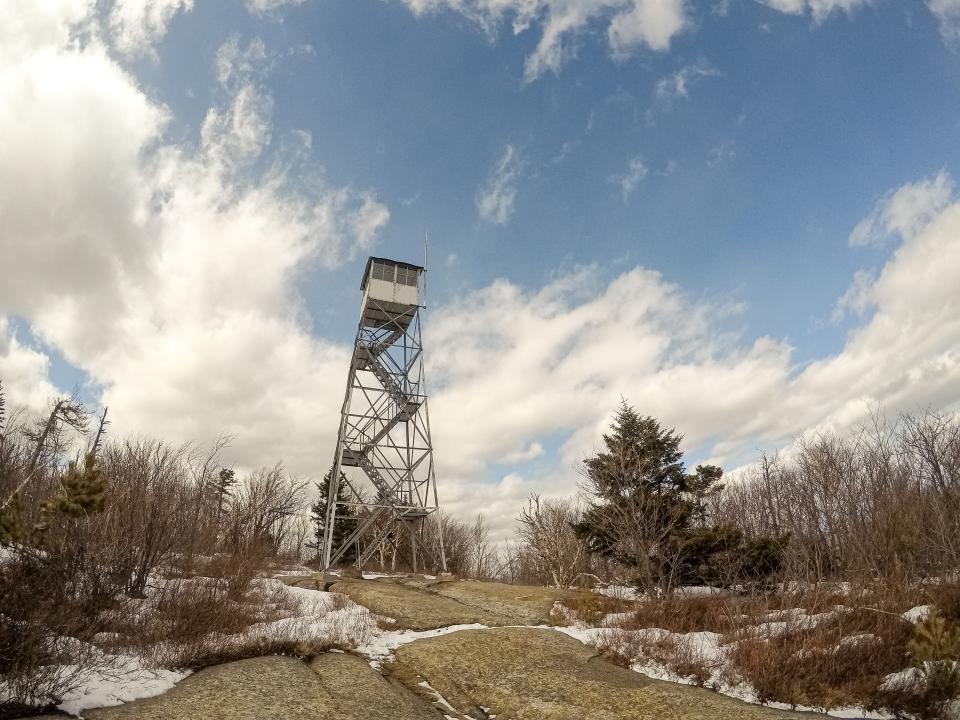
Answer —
380 647
119 679
917 614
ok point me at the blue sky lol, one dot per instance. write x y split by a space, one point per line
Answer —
754 180
654 199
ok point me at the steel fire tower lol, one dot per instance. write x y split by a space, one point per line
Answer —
384 437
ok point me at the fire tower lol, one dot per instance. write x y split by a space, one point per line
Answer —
383 451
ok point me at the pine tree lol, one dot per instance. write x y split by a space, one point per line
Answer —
648 513
345 523
221 488
83 490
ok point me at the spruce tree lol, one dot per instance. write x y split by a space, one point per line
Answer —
345 523
221 489
647 512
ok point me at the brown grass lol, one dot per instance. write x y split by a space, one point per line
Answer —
194 622
587 607
683 615
841 661
623 647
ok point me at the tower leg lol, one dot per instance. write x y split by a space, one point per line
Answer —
412 527
333 489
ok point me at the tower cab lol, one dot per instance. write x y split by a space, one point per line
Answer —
391 292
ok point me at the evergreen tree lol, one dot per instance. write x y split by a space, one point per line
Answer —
647 512
221 488
83 490
345 523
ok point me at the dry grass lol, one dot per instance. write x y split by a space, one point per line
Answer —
827 646
839 662
585 607
671 650
199 621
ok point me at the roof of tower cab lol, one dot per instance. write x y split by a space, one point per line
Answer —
398 263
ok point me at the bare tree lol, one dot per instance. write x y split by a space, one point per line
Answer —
881 502
546 530
481 552
441 528
148 492
47 439
265 506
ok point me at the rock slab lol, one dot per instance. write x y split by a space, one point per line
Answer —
541 674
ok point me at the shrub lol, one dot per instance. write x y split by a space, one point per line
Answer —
38 665
934 683
934 641
588 607
671 650
685 615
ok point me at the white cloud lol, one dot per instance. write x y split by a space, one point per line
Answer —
720 153
903 212
518 367
495 200
677 84
269 8
630 179
137 24
167 272
235 64
23 372
631 24
947 13
856 299
819 9
533 451
650 23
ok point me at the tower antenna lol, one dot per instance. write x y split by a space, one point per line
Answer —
426 242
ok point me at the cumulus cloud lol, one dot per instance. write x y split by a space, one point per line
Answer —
631 24
167 272
904 211
495 200
856 299
24 372
554 363
650 23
